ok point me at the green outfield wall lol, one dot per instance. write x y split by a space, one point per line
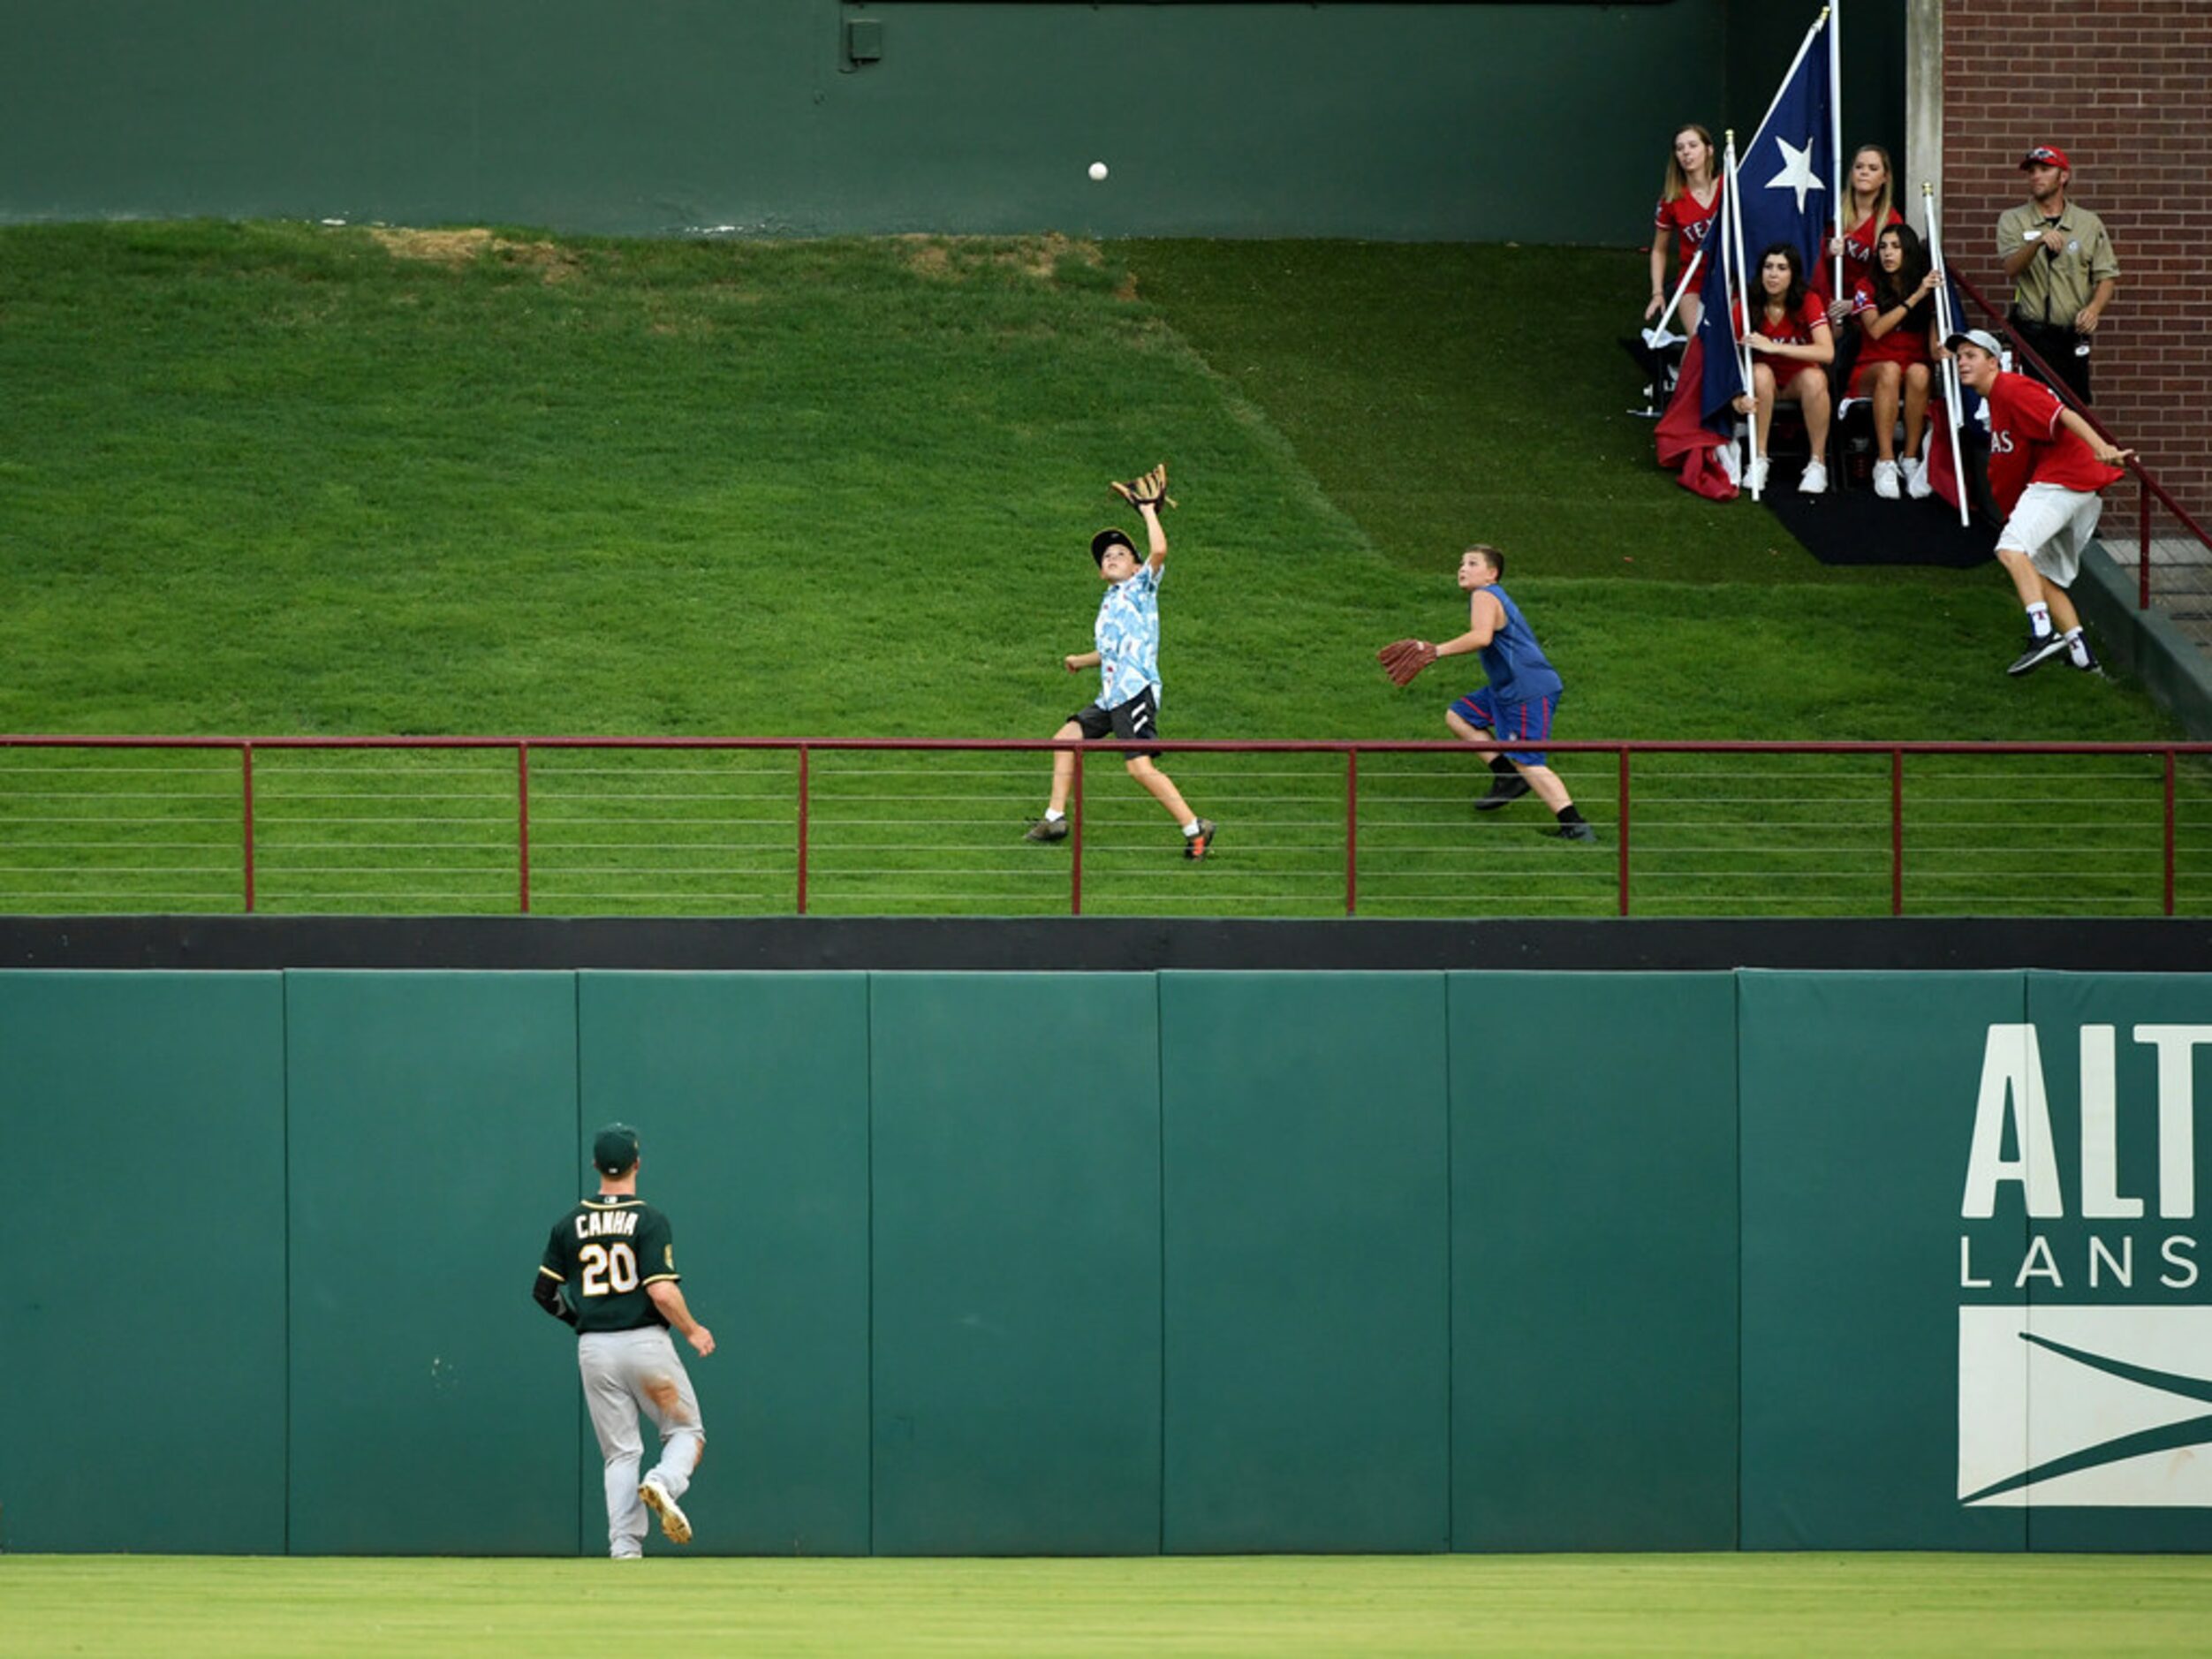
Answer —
1466 122
1122 1262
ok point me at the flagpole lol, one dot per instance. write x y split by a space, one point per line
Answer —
1739 305
1945 322
1697 260
1836 136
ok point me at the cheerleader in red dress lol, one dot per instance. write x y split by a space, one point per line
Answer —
1869 209
1897 328
1688 209
1792 345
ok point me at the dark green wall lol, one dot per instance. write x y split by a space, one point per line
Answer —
1476 122
1114 1263
1593 1176
142 1321
1306 1230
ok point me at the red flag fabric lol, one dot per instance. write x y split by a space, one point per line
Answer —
1681 439
1943 465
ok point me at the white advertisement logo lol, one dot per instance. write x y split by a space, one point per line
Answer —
2101 1395
2085 1405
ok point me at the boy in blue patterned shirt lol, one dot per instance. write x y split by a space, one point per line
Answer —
1127 658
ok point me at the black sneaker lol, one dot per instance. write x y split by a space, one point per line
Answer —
2090 667
2038 652
1197 846
1578 831
1502 789
1047 829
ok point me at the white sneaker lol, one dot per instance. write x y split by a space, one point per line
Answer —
1755 479
1916 484
1731 462
1815 480
655 1497
1885 480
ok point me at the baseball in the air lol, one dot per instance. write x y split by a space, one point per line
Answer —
1098 170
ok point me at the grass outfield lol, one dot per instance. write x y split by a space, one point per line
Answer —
263 479
1897 1605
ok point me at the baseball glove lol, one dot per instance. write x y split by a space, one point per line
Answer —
1402 659
1151 490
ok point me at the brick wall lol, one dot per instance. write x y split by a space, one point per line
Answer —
2123 87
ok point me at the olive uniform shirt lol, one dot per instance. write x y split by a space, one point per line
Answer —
2052 288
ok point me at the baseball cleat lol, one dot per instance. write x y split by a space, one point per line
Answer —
1199 846
674 1527
1502 790
1047 829
1570 833
2038 652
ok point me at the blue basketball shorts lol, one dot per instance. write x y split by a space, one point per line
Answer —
1528 721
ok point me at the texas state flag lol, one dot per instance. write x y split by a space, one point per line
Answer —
1782 184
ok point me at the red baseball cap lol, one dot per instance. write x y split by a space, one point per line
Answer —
2045 155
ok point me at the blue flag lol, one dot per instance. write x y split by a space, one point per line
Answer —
1783 188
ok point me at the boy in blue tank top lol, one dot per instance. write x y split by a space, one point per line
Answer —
1517 705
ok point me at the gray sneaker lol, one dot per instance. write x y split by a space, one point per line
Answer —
2038 652
1046 830
1578 831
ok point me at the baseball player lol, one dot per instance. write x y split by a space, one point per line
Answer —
610 1271
1518 704
2046 466
1127 659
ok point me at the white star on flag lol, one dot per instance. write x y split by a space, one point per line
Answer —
1797 170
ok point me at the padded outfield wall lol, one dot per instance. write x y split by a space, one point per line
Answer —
1122 1262
1532 122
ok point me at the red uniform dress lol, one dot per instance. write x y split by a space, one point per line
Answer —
1690 224
1859 265
1789 330
2030 444
1907 343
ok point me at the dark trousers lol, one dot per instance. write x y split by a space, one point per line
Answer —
2059 347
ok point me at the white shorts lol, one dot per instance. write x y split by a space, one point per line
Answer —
2052 525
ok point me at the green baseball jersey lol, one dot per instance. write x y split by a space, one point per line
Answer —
603 1254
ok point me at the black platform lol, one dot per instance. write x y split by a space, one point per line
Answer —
1856 527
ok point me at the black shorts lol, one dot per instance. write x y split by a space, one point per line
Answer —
1137 718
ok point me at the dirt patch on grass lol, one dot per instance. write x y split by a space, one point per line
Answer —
552 262
442 247
958 258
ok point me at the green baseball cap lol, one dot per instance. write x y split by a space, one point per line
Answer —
614 1148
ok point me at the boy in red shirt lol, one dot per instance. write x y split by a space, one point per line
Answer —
2046 466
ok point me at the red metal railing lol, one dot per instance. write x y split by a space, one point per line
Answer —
2147 484
1999 837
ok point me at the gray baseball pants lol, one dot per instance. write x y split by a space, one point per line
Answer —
626 1371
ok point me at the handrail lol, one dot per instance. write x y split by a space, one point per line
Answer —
1895 752
2147 479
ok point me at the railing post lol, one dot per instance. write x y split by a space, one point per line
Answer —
1897 832
2170 832
1623 793
522 826
1075 843
1352 832
246 764
802 829
2142 531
